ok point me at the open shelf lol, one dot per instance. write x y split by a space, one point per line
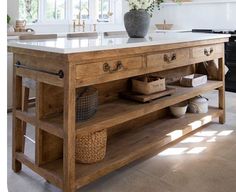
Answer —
28 116
131 145
121 110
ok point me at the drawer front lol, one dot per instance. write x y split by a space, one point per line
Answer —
109 70
168 60
207 52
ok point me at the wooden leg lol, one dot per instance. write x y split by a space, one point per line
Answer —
222 104
221 77
69 130
25 98
17 143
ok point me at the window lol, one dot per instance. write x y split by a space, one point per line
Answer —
54 11
28 10
104 10
81 9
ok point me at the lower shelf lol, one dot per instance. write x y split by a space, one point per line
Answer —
134 144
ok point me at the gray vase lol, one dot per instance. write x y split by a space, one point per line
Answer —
137 23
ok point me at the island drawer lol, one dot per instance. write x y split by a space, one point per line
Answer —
100 72
207 52
168 60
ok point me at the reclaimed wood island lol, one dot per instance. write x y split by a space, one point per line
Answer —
60 66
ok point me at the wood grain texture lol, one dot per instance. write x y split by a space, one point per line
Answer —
135 130
17 130
158 61
69 129
120 111
221 77
95 71
133 144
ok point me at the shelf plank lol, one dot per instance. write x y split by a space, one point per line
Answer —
53 124
54 179
120 111
136 143
28 116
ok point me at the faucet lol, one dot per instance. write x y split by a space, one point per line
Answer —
77 23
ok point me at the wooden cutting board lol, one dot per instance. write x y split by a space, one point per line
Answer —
147 98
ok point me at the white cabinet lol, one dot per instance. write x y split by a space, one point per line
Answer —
9 79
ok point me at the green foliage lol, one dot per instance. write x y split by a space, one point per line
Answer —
8 19
151 8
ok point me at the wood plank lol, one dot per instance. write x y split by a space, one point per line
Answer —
17 130
120 111
221 95
49 176
96 56
49 101
69 104
147 98
27 116
135 143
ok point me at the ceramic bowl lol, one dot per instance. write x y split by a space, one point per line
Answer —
179 110
164 26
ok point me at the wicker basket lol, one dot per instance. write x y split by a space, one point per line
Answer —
193 80
91 148
148 84
86 103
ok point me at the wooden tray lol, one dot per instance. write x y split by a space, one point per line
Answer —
146 98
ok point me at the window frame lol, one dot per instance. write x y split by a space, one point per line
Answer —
69 14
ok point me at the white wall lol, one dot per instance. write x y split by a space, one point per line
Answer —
199 15
12 9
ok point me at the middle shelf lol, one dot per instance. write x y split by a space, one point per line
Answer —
120 111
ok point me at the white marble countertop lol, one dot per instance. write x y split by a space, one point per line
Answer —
77 45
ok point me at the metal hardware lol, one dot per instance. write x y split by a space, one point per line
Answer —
60 73
107 67
77 23
208 53
169 58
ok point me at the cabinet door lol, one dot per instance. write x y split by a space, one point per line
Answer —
9 79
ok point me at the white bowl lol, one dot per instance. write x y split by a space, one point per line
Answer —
178 110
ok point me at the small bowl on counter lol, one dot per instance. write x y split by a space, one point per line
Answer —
164 26
179 110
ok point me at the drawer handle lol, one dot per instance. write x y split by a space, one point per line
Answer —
107 67
208 53
169 58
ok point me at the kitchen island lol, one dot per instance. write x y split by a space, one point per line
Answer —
60 66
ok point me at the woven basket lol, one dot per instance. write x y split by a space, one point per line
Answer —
86 103
91 148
